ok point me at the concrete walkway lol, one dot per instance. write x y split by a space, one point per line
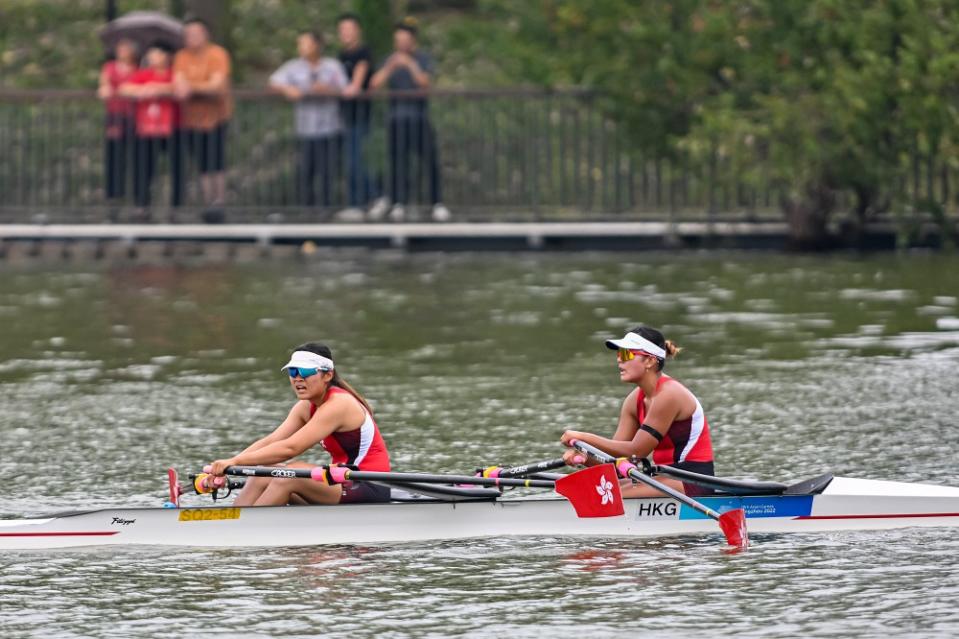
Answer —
454 236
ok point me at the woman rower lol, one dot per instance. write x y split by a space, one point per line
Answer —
660 416
328 411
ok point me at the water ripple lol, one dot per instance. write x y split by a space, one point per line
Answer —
804 365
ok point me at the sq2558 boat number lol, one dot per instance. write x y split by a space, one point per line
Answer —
209 514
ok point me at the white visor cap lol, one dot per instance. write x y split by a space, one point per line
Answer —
635 342
308 359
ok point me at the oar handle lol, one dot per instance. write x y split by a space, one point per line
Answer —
340 474
628 469
317 474
521 471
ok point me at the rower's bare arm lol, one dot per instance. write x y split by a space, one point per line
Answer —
628 420
625 431
612 447
328 418
297 417
662 413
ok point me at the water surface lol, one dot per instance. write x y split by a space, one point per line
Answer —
803 364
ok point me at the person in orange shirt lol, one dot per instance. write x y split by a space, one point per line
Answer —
201 79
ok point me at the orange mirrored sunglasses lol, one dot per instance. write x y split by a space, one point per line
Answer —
627 355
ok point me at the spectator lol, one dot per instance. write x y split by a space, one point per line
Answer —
201 73
119 119
409 68
152 88
358 62
314 83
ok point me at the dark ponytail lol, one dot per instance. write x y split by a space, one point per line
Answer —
657 338
324 351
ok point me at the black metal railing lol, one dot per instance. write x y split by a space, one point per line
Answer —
501 154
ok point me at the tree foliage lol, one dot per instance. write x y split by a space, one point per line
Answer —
840 104
831 100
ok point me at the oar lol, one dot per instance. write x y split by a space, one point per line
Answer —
732 523
521 471
731 486
339 474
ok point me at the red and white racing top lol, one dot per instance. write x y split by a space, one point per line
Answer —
687 440
363 447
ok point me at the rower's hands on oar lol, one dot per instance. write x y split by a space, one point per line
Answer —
572 457
570 435
218 468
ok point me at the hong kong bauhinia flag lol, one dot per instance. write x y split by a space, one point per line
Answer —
593 492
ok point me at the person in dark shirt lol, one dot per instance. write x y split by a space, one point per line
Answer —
409 68
358 62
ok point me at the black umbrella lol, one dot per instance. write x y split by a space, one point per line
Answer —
146 28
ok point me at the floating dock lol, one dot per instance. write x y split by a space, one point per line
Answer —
98 240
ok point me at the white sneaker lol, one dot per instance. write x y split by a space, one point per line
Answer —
397 213
380 206
351 214
441 213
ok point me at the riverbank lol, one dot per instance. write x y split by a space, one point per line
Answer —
20 242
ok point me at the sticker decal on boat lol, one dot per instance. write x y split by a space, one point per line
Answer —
209 514
755 507
657 509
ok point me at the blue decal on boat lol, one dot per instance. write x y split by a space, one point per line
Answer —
774 506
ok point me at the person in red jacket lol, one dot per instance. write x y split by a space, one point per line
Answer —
660 416
328 412
156 115
120 116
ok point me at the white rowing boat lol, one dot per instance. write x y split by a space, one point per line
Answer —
822 504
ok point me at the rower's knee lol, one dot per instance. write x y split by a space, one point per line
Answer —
280 486
252 489
255 485
257 482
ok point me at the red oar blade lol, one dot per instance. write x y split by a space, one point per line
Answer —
174 484
733 524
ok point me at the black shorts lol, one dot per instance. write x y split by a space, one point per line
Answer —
364 492
208 148
702 468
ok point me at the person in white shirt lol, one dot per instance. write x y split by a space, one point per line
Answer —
314 83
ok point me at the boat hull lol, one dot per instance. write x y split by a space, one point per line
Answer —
847 504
